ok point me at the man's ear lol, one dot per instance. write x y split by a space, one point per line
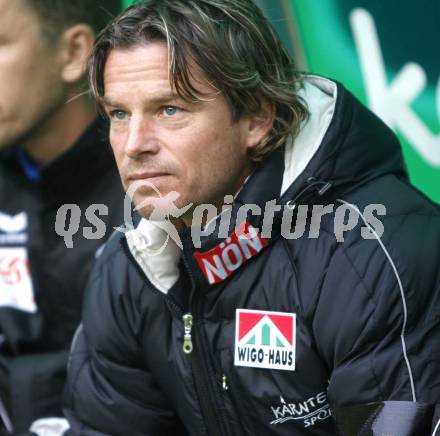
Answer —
260 124
76 44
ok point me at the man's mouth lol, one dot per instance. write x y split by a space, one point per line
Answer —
145 176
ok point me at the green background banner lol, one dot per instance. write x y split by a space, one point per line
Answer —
385 52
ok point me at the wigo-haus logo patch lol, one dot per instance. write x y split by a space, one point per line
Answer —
265 339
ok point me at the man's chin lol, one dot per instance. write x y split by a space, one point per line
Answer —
152 208
145 209
146 212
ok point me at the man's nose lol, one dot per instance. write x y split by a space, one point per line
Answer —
142 137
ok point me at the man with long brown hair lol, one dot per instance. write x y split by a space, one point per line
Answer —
239 325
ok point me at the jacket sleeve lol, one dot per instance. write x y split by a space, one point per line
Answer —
31 386
377 326
109 391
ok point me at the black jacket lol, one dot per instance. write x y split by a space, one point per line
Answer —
341 324
42 280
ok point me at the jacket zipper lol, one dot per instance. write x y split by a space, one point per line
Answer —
206 387
187 339
192 346
203 381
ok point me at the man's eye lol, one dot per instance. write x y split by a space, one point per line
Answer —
170 111
118 115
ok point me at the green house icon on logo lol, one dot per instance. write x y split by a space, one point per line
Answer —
265 333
